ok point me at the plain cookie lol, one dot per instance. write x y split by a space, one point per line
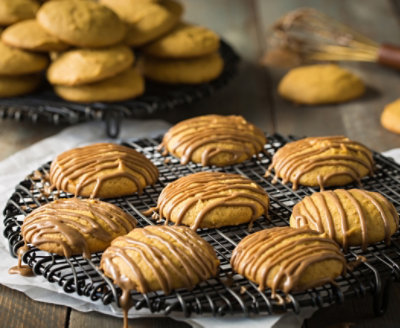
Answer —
320 84
184 41
183 71
83 66
12 11
29 35
390 117
11 86
81 23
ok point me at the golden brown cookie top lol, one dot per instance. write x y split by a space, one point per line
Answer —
320 84
12 11
81 23
326 156
29 35
286 254
212 190
97 163
212 135
184 41
15 61
339 212
74 226
83 66
159 258
390 117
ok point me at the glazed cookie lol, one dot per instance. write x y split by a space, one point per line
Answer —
29 35
320 84
183 71
126 85
102 170
212 200
390 118
159 258
75 226
11 86
184 41
12 11
288 259
19 62
81 23
146 21
83 66
322 161
213 140
350 217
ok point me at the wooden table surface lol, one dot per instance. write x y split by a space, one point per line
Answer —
253 94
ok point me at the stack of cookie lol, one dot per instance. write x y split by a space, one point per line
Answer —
18 68
90 45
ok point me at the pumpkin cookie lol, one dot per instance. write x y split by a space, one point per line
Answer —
288 259
13 11
320 84
212 200
81 23
83 66
146 21
214 140
29 35
124 86
390 118
75 226
19 62
184 41
322 161
183 71
102 170
11 86
350 217
157 258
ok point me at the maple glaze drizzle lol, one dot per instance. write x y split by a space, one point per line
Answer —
307 213
92 164
221 189
234 135
175 255
23 270
258 254
73 220
297 158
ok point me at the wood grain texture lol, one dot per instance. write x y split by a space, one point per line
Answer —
89 320
358 119
19 311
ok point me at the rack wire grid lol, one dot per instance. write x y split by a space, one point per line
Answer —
228 293
45 105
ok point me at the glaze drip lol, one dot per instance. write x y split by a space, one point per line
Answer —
258 254
23 270
295 159
323 219
176 257
231 135
94 164
67 224
219 189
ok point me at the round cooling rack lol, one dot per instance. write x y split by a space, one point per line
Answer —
228 293
45 105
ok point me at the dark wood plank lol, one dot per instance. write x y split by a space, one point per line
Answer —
357 119
18 310
89 320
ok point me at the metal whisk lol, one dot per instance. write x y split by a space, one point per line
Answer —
309 35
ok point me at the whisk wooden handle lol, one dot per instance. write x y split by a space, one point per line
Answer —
389 55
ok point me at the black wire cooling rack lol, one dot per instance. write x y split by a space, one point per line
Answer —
229 293
45 105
